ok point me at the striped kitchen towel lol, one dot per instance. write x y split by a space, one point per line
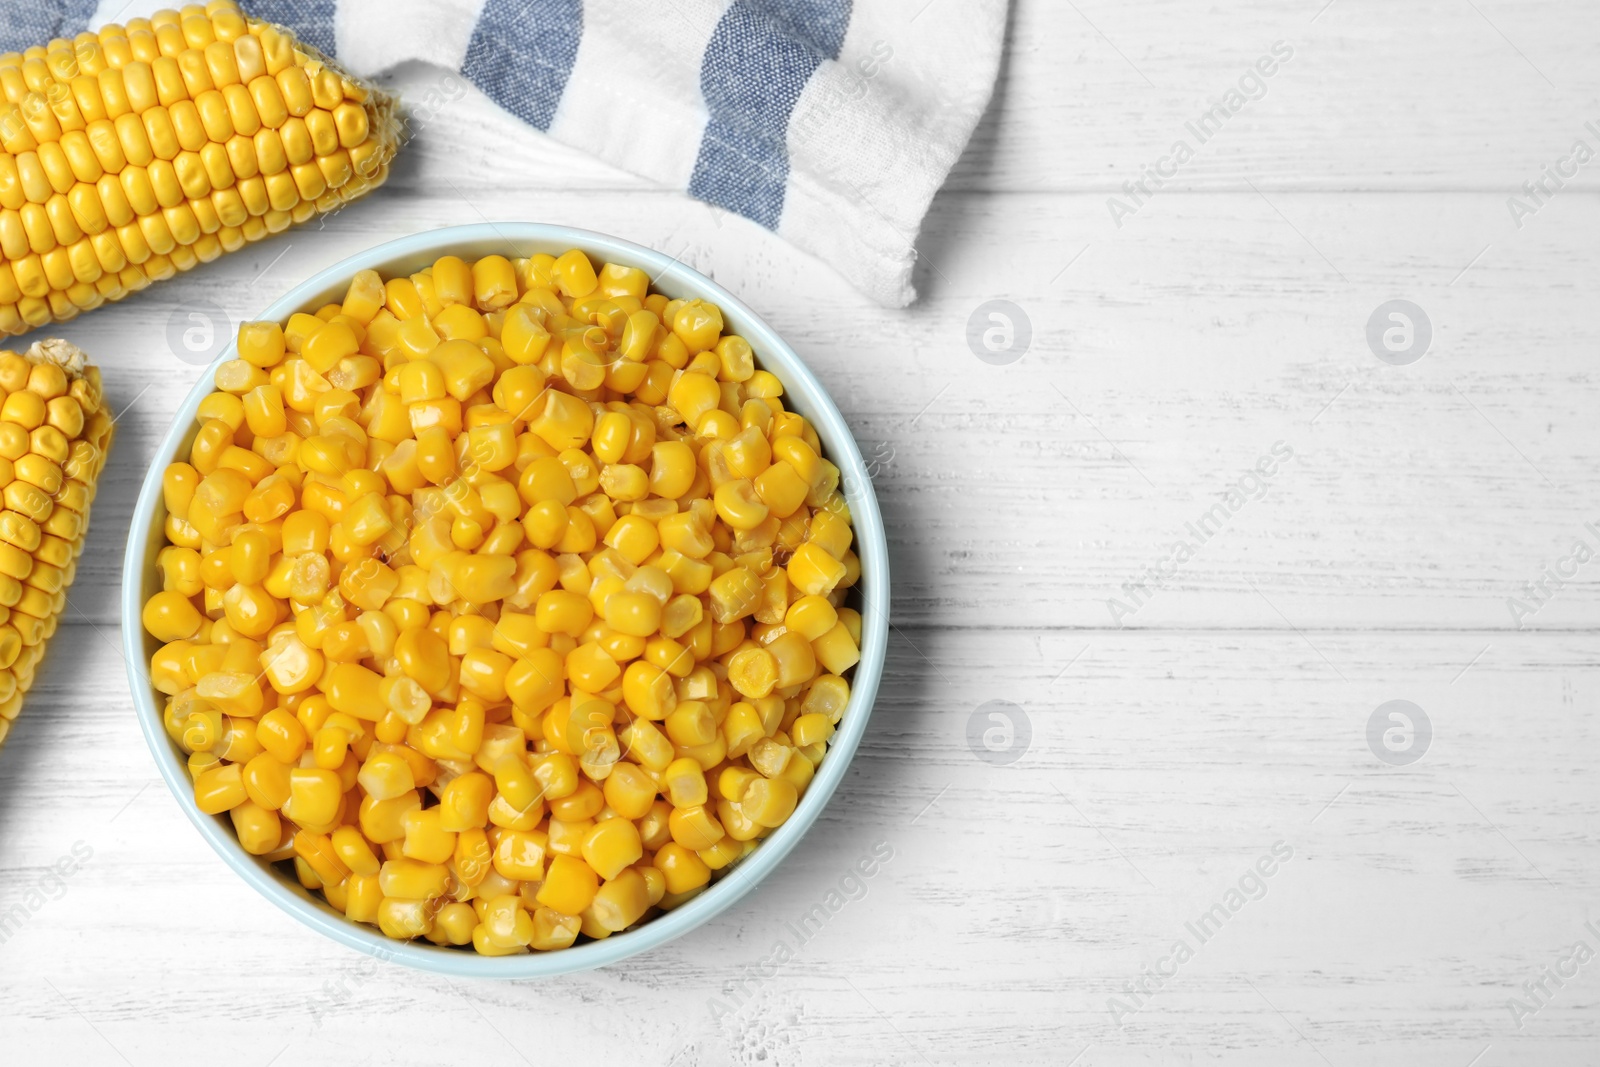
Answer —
830 122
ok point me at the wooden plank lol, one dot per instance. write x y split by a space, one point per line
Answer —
1018 901
1166 361
1434 95
1431 95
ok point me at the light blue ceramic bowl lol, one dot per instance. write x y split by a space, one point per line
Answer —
803 393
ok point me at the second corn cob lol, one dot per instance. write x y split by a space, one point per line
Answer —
54 433
136 152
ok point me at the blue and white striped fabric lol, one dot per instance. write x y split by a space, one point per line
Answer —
830 122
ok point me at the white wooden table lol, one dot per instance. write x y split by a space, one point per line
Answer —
1165 756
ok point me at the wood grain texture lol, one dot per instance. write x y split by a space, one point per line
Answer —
1167 754
1018 900
1164 364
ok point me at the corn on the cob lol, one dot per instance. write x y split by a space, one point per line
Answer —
136 152
54 433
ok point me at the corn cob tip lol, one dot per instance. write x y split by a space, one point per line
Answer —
64 354
139 151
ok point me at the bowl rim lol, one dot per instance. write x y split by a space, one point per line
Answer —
871 547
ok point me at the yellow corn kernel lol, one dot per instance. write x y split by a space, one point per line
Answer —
698 325
170 617
473 861
574 274
694 827
494 283
553 930
770 756
424 657
735 594
733 781
454 924
259 829
505 926
813 571
520 855
563 421
738 826
622 901
721 854
282 735
810 617
404 919
684 783
569 885
464 804
769 801
557 611
781 488
691 723
612 846
382 821
386 775
796 662
318 853
629 791
837 650
684 870
425 837
220 789
753 672
314 797
637 614
354 851
739 505
410 879
742 728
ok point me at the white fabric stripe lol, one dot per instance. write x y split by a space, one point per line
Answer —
634 94
873 135
870 140
375 35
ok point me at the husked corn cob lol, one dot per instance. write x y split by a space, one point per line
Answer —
54 433
136 152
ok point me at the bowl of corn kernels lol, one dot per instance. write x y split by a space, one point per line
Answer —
506 600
